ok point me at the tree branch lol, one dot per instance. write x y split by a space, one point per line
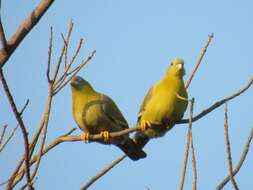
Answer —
210 37
103 172
2 146
3 133
24 29
187 146
22 126
194 165
240 162
2 36
228 149
218 103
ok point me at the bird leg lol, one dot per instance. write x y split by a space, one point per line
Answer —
105 135
85 137
144 125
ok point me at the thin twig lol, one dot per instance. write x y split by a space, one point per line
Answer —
35 158
228 149
24 29
71 25
22 126
2 134
44 134
8 139
65 74
239 163
103 172
49 55
210 37
75 71
218 103
194 165
187 146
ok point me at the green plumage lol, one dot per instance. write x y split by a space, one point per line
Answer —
95 112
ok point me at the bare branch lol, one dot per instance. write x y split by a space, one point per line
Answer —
65 74
2 37
8 139
218 103
2 134
49 55
228 149
24 29
35 158
24 107
187 146
22 126
71 25
194 165
239 163
75 71
210 37
44 134
103 172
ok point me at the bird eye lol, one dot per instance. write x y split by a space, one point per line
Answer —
171 63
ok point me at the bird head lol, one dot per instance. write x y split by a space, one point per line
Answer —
177 67
78 83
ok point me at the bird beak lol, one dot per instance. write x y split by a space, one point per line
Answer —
179 67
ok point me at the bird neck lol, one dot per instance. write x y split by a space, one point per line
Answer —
169 77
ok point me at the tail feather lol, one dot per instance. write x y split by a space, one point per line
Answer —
132 150
141 139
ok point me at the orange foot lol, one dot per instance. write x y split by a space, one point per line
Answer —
105 135
144 125
85 137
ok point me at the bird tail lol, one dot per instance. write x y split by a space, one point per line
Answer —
132 150
141 139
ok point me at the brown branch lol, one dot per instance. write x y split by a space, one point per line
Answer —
187 146
35 158
194 165
71 25
228 149
46 119
2 37
3 133
103 172
22 126
24 29
75 71
239 163
65 74
8 139
43 125
49 55
218 103
210 37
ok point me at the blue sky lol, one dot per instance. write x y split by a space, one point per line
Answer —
135 41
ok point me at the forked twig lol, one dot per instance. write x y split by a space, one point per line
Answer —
228 149
239 163
2 146
187 146
22 126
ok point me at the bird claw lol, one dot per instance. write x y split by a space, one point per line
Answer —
85 137
105 135
144 125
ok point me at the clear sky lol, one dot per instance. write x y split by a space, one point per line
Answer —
135 41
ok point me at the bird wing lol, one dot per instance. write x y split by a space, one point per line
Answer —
112 111
145 101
